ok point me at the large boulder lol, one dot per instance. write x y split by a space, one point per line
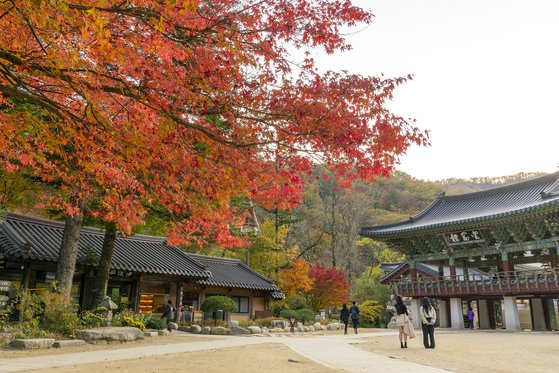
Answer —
33 344
195 329
239 330
111 334
184 328
333 326
219 330
279 324
206 330
254 329
311 328
265 329
317 326
173 325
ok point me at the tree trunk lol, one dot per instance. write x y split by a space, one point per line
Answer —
68 254
104 267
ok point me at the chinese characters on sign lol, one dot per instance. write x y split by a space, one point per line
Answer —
463 237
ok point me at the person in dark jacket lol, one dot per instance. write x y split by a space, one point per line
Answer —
344 317
169 313
354 314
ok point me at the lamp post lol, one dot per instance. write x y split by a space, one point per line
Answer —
250 227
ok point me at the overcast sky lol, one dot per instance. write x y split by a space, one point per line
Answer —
486 80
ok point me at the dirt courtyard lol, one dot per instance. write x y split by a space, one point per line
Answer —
476 351
458 351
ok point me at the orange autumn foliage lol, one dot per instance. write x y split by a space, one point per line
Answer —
186 104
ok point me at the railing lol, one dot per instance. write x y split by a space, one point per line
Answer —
496 283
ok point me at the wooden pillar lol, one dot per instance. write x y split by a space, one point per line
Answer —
441 271
483 314
537 313
452 265
505 262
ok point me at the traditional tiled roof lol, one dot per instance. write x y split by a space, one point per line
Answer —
233 273
531 196
33 238
394 270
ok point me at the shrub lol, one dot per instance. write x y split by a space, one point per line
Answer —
156 322
370 312
288 314
128 321
276 306
59 314
218 302
297 302
267 322
95 318
305 314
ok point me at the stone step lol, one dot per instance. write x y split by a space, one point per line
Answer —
69 343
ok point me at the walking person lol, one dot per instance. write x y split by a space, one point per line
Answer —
169 314
471 316
428 319
402 316
354 314
344 316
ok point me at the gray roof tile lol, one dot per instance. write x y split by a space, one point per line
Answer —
39 239
538 194
233 273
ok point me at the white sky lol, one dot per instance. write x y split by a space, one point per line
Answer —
486 80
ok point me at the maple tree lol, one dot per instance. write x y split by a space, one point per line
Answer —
187 104
330 287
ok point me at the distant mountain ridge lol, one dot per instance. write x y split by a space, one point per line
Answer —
476 184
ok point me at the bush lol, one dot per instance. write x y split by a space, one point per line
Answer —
288 314
370 312
95 318
305 314
297 302
59 314
128 321
218 302
267 321
276 306
156 322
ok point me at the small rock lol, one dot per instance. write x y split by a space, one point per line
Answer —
206 330
173 325
151 334
195 329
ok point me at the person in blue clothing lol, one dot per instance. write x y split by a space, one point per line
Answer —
354 315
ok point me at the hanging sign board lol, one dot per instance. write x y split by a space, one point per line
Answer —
463 237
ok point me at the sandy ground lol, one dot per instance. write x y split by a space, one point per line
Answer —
8 353
477 351
269 357
463 351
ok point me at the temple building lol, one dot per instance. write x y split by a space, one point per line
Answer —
493 250
145 271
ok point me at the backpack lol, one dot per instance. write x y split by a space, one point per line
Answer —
354 313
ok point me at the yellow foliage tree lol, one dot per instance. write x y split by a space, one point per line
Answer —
296 280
